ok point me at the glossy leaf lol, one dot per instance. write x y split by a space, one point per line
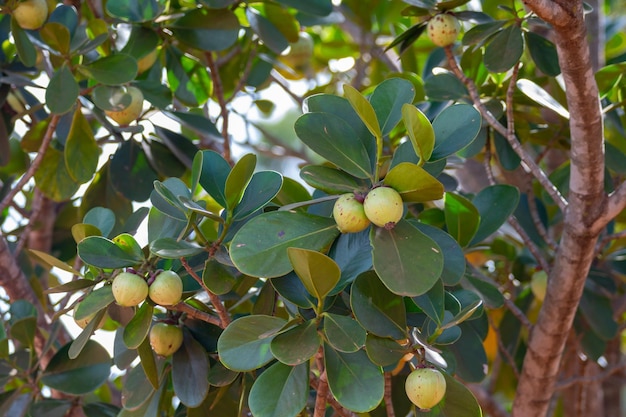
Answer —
213 30
407 261
280 391
263 187
148 362
432 302
260 247
271 36
51 261
458 402
131 173
81 375
494 204
217 277
330 180
62 91
354 380
377 309
81 150
238 179
214 172
314 7
304 336
138 327
462 218
114 69
137 390
173 249
420 131
388 99
81 340
543 52
104 253
190 368
471 360
25 49
413 183
52 177
291 288
383 351
318 272
364 109
245 343
344 333
334 139
128 244
445 86
101 217
135 11
479 33
455 128
542 97
597 311
453 256
505 49
95 301
353 254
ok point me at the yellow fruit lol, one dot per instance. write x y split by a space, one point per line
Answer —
166 289
383 207
425 387
165 339
349 214
539 284
443 29
129 289
127 114
31 14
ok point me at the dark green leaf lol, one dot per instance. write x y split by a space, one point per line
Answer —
138 327
505 49
280 391
114 69
331 180
453 256
479 33
137 390
298 344
462 218
104 253
81 150
238 179
217 277
263 187
267 31
52 177
208 30
130 173
95 301
543 53
344 333
214 171
458 402
190 368
432 302
455 128
598 312
81 340
25 48
314 7
101 217
62 91
135 11
383 351
494 204
388 99
444 87
173 249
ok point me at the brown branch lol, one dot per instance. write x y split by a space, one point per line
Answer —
195 313
387 397
215 300
487 402
219 93
617 368
282 84
527 161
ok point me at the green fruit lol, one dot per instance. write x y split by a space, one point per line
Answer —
31 14
350 214
127 114
165 339
539 284
425 387
383 207
129 289
443 29
166 289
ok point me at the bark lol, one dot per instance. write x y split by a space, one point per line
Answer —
584 217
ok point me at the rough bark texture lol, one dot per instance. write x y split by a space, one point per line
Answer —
584 216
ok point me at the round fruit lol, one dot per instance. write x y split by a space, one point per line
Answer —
539 284
443 29
165 339
125 115
350 214
299 54
425 387
166 289
129 289
383 207
31 14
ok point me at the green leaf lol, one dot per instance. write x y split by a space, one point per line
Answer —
383 351
57 36
104 253
135 11
190 369
407 261
445 86
128 244
388 99
344 333
52 177
82 230
505 49
81 375
238 179
71 286
217 277
25 49
169 248
542 97
213 30
420 131
50 261
313 7
130 172
114 69
214 172
377 309
471 359
480 33
81 340
455 128
148 362
23 330
271 36
137 390
304 336
318 272
261 189
62 91
331 180
413 183
354 380
453 257
245 343
101 217
596 309
432 302
260 247
364 109
81 150
462 218
334 139
280 391
95 301
138 327
543 52
458 402
494 204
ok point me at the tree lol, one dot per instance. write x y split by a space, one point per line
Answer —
504 271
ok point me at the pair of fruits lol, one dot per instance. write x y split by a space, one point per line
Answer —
131 289
31 14
381 206
425 387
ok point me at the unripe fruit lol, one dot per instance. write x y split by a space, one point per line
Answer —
383 207
129 289
130 113
443 29
349 214
166 289
425 387
165 339
31 14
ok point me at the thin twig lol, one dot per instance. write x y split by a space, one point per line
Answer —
215 300
528 162
284 86
47 138
619 367
196 314
388 399
487 401
219 93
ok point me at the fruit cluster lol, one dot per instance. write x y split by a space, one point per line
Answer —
381 206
